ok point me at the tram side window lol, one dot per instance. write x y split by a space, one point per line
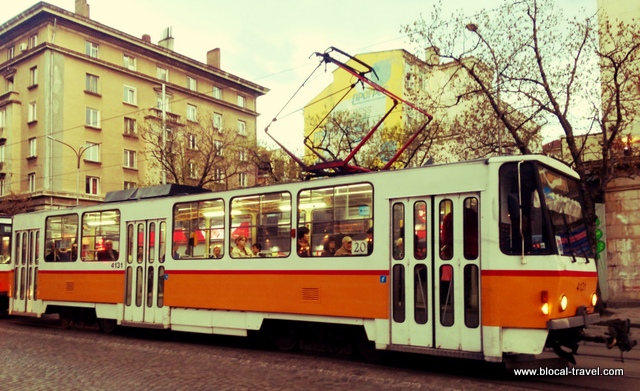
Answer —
100 236
446 229
342 215
5 243
61 238
470 228
420 230
261 226
398 231
521 199
198 230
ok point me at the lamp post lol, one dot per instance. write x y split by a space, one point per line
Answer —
79 152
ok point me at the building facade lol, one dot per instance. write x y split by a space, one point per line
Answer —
75 93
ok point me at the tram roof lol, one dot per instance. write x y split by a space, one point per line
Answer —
152 192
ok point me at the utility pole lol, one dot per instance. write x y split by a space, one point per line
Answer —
79 152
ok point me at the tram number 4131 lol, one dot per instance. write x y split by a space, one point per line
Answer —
117 265
581 286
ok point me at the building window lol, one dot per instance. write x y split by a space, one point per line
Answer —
192 112
1 154
33 77
2 190
129 95
3 119
217 92
217 122
192 84
130 126
11 52
129 62
218 175
92 152
91 49
130 185
241 101
33 41
33 147
193 171
33 112
32 182
242 155
93 117
91 83
9 83
130 159
217 146
162 73
242 128
167 102
92 185
191 141
242 179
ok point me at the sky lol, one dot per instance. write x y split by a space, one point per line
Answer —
269 42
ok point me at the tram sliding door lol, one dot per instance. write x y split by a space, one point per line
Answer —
144 271
456 271
25 271
411 273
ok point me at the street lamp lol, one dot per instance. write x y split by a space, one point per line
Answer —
79 152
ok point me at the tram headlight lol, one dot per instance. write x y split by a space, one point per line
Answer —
544 298
594 299
563 303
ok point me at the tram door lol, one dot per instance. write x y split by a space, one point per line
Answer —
144 271
456 266
25 271
411 273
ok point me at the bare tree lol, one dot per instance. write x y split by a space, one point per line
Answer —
14 203
532 72
198 153
274 166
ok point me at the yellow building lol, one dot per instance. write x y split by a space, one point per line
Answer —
428 83
74 93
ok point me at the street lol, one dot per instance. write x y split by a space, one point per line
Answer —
39 354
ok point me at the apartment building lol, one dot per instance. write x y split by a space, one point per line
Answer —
74 94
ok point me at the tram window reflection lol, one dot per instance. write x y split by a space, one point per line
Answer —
263 219
198 227
446 295
61 238
471 297
421 303
446 229
340 214
420 230
399 312
100 233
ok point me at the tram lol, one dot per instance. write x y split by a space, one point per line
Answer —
486 259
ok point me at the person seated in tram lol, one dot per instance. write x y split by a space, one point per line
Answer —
108 254
346 247
329 246
55 255
217 252
304 246
256 249
240 250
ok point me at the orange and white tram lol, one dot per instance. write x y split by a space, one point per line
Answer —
482 259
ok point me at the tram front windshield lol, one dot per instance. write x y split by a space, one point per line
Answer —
541 211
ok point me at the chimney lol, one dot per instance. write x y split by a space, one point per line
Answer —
213 58
432 55
167 39
146 38
82 8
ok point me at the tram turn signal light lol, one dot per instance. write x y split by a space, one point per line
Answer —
544 298
563 302
594 299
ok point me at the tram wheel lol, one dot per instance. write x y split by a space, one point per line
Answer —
367 349
287 339
107 325
65 318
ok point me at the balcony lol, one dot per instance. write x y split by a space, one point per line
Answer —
156 114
